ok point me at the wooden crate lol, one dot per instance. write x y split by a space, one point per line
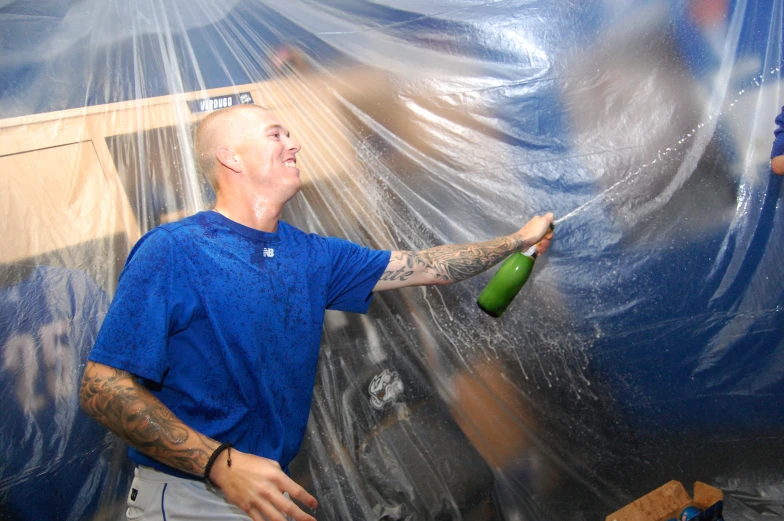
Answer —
667 502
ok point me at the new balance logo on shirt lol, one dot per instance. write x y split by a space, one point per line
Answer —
261 254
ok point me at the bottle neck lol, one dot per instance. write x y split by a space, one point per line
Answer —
531 252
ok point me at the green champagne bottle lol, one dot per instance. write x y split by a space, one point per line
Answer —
506 283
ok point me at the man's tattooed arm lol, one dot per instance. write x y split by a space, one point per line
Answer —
445 264
116 400
455 262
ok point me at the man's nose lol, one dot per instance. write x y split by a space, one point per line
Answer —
293 145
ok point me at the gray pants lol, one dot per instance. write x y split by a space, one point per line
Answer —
156 496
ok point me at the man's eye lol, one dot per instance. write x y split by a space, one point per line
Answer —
275 135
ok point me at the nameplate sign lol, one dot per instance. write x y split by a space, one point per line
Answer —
219 102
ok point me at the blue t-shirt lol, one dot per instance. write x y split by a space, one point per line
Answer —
224 323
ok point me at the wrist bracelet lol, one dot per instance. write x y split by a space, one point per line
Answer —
210 462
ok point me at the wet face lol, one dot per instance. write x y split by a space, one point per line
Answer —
269 155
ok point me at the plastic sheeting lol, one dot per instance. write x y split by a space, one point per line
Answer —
648 346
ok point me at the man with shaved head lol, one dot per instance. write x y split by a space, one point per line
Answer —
206 361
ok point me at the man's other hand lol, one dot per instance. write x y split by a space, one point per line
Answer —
257 485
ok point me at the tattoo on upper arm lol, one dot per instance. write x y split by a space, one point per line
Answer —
410 261
120 403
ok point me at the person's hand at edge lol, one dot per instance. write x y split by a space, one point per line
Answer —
777 152
777 165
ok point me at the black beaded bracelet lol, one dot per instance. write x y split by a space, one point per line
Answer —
210 462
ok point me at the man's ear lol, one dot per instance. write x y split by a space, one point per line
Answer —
228 158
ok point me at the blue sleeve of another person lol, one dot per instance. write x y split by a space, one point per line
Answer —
778 142
145 310
355 271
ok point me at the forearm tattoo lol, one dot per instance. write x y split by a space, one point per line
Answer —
454 262
119 403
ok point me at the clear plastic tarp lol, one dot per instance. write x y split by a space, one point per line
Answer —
648 345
